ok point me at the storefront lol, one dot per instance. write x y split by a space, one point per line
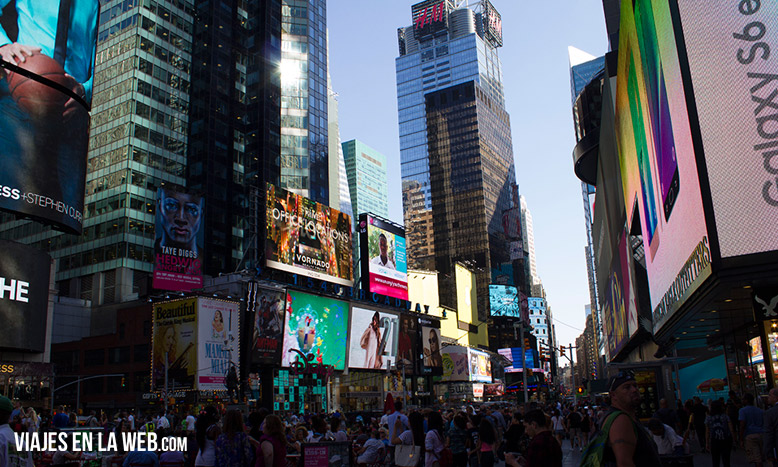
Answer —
29 383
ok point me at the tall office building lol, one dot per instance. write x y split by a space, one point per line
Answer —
528 234
340 193
138 140
455 143
366 169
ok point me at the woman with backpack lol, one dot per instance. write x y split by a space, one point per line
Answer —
434 443
718 434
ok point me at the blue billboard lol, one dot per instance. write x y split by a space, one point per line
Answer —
504 301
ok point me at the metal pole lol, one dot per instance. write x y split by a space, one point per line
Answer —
166 364
78 396
523 364
572 366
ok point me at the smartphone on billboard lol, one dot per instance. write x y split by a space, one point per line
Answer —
658 105
644 164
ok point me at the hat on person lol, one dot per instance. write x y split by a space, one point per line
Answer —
619 379
6 405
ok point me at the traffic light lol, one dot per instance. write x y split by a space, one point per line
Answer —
562 349
124 383
580 390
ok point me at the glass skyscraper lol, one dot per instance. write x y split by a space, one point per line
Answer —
366 169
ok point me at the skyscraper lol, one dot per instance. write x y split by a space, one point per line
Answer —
366 169
528 234
455 142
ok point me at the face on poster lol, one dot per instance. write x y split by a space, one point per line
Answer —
430 338
268 326
315 326
480 366
388 267
373 339
407 343
657 157
218 342
178 248
44 129
308 238
174 339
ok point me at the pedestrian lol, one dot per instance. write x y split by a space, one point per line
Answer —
771 427
751 420
487 443
544 449
667 441
9 455
666 415
697 420
718 434
272 444
557 424
573 425
207 430
233 447
434 441
414 437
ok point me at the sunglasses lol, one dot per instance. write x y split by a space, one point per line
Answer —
624 375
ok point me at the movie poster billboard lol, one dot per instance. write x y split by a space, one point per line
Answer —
432 363
45 99
25 282
504 301
174 340
373 342
316 326
267 306
408 343
383 245
308 238
178 248
480 366
218 340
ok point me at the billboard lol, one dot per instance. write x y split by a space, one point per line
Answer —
513 354
178 248
383 250
733 75
267 307
373 342
175 341
316 326
217 343
619 313
408 343
24 296
480 366
308 238
492 24
455 363
504 301
45 99
432 361
657 157
429 17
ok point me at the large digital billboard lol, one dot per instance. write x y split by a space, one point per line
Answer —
178 248
408 343
492 24
268 308
504 300
24 296
513 354
316 326
174 340
657 157
308 238
619 312
217 343
373 341
45 99
455 363
430 16
383 253
731 50
432 358
480 366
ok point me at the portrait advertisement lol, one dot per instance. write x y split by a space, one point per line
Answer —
174 340
217 344
387 266
47 58
268 328
373 342
407 343
433 359
178 248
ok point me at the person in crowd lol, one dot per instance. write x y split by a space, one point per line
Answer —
558 425
171 457
697 420
515 433
487 443
337 427
9 455
573 426
434 442
206 432
718 434
233 447
771 428
473 422
751 420
272 444
391 422
667 441
141 455
666 415
544 449
458 439
370 451
319 431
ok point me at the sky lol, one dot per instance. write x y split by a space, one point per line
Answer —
536 79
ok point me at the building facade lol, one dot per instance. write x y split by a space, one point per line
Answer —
366 170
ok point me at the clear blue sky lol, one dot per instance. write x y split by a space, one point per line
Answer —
363 48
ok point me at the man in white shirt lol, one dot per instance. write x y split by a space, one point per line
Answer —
391 421
163 423
667 440
383 258
190 423
131 419
368 454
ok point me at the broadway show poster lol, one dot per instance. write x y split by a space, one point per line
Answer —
373 339
268 326
308 238
174 338
45 102
217 344
178 249
315 326
407 343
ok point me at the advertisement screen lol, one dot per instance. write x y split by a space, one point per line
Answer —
24 296
480 366
657 158
175 339
217 344
731 52
513 355
308 238
432 363
456 365
383 245
315 326
178 248
429 17
408 343
373 339
756 354
268 309
620 308
504 301
45 100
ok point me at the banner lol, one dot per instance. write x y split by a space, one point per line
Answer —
218 338
308 238
383 247
44 111
178 249
315 326
373 339
174 338
267 336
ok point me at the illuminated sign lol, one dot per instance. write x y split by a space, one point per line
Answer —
430 17
383 256
492 24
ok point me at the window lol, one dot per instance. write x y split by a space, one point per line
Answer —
117 355
94 357
140 353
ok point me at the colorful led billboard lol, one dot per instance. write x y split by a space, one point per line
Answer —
504 300
619 312
45 99
432 359
315 326
373 342
308 238
657 157
178 249
480 366
175 341
383 252
731 50
268 309
513 355
408 343
217 343
455 363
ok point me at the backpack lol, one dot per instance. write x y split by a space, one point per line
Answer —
446 457
594 452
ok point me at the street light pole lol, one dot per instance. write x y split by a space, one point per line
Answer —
572 367
520 325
